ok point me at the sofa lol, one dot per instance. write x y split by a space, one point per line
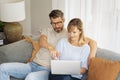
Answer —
20 51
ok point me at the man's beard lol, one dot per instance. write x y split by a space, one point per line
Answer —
58 30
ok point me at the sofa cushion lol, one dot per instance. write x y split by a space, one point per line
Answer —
18 51
2 57
102 69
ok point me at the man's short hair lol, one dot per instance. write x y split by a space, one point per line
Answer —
56 13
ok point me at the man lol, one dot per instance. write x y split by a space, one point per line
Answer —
39 67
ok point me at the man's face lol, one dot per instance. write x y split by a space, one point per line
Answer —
57 24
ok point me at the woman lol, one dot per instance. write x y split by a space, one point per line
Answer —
73 48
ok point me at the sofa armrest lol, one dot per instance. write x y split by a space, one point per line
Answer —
18 51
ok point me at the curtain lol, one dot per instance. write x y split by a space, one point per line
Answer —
101 19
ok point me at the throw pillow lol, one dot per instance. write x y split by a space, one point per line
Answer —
102 69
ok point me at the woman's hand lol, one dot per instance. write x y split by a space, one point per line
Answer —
82 70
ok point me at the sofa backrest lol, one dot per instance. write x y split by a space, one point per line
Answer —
21 50
18 51
107 54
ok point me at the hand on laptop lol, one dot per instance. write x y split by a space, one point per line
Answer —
54 54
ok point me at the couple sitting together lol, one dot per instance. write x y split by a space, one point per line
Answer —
54 42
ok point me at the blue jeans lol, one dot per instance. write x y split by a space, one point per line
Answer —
26 71
62 77
66 77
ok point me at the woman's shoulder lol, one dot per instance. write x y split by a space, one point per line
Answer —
62 41
86 46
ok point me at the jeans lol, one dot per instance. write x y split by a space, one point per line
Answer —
66 77
26 71
62 77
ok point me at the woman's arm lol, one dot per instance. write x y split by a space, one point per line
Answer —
83 70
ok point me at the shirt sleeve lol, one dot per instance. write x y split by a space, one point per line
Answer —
59 46
84 61
44 31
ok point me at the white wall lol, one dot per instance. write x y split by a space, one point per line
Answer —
40 10
27 22
37 12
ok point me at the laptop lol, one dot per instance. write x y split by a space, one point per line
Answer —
65 67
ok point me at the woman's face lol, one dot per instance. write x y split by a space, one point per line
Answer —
74 33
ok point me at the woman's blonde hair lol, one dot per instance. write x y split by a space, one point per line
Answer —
76 22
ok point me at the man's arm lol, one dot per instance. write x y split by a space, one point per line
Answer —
35 48
93 48
44 44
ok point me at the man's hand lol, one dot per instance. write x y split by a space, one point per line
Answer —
54 53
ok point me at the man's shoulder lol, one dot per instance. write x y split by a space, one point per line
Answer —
64 32
46 30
